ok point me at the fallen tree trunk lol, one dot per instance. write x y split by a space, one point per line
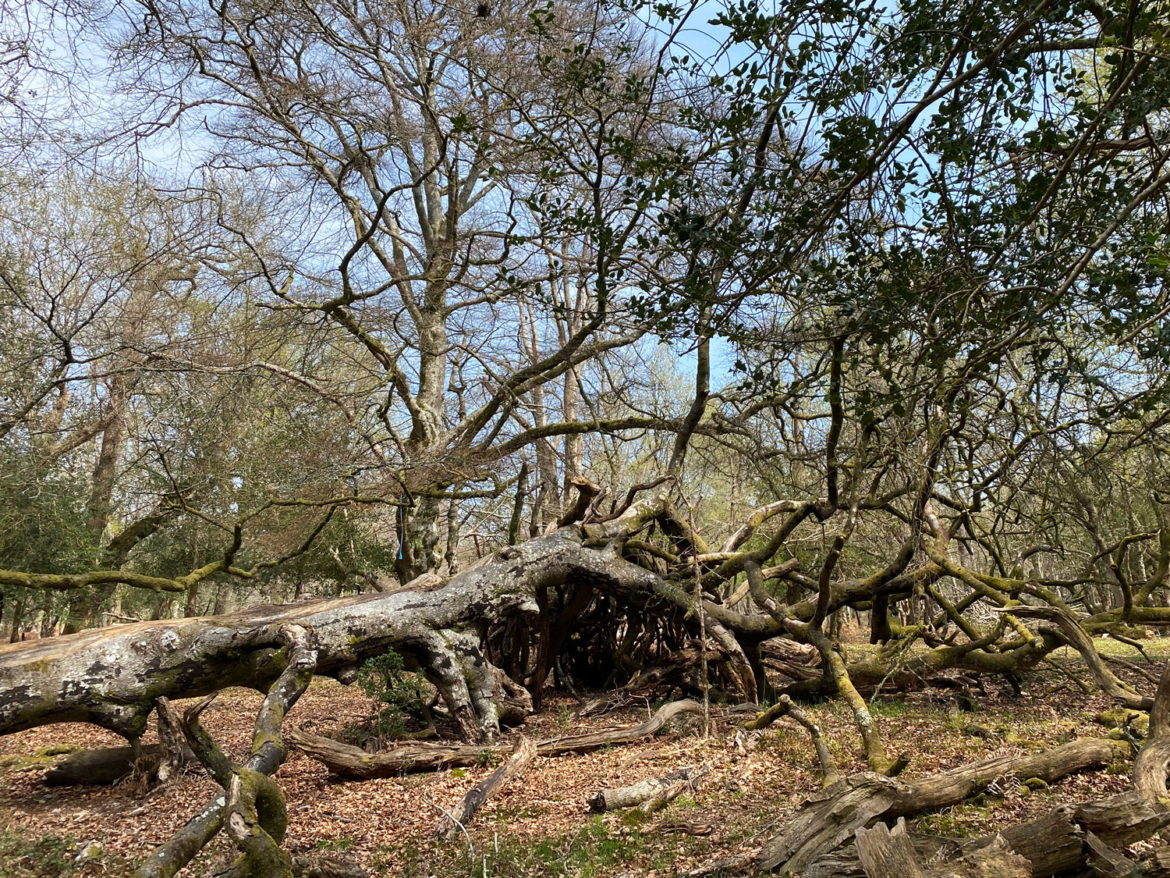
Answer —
829 818
650 794
349 761
886 853
475 799
113 676
1053 844
1065 839
103 766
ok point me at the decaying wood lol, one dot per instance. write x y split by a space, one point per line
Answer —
176 753
348 761
1055 843
785 706
1066 839
650 794
827 819
1109 863
1151 765
886 853
105 765
113 676
252 807
950 787
514 765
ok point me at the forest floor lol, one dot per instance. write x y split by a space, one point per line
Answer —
540 823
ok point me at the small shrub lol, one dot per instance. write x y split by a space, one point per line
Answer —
399 693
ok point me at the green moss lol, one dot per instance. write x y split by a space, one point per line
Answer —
58 750
1124 718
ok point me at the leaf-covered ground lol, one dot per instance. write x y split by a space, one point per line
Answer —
540 824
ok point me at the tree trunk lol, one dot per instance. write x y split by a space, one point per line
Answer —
112 676
831 817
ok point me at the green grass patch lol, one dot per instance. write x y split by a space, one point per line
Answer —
335 844
592 850
888 708
24 857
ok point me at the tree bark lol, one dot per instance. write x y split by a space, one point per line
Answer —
252 807
475 799
349 761
112 676
827 819
649 794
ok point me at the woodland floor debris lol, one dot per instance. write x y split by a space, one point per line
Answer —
540 823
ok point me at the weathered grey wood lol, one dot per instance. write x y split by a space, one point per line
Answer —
826 819
1108 863
105 765
656 790
349 761
475 799
886 853
1052 843
1152 764
1121 820
949 787
113 676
